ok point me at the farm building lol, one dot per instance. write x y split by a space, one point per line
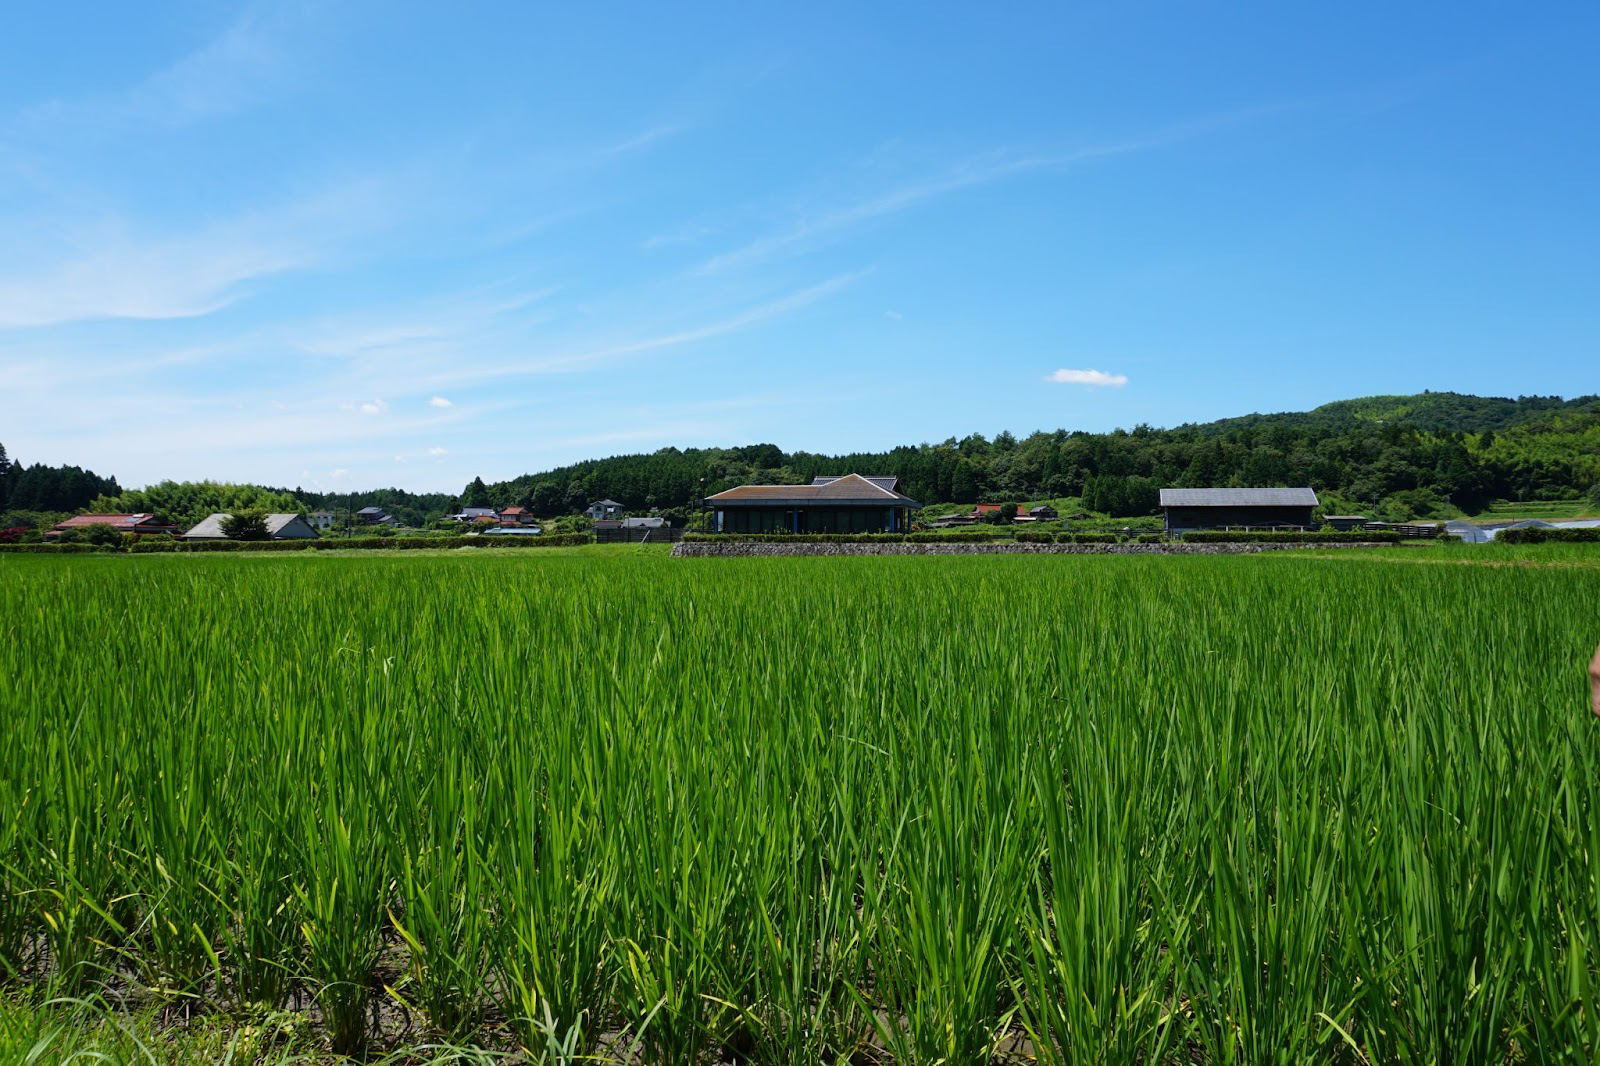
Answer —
375 516
1189 509
468 515
847 504
279 527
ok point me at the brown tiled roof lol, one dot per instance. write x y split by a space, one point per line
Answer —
119 521
850 489
889 481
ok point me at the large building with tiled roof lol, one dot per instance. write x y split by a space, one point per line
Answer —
846 504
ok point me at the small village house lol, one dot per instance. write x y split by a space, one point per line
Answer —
321 519
844 504
516 516
375 516
279 527
1194 509
478 515
605 511
122 523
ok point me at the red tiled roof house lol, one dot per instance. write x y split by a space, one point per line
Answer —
122 523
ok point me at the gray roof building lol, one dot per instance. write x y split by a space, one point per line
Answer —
279 527
1192 509
1238 498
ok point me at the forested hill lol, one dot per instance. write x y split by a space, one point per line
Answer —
1429 455
1430 411
1400 456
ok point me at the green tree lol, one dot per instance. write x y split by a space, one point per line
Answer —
187 502
476 495
245 525
100 533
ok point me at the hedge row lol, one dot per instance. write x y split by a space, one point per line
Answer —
152 546
1349 537
552 540
1538 535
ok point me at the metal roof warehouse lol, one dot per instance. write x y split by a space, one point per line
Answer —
1190 509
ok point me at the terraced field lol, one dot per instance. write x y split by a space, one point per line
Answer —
1290 809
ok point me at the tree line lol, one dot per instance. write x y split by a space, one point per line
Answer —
49 488
1393 457
1398 457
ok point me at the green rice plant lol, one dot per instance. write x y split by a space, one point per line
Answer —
1286 808
342 899
1098 980
445 923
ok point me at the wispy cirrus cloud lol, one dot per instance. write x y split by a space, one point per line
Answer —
972 172
176 278
589 357
967 174
113 268
1097 378
250 60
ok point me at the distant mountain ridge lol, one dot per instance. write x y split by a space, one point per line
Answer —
1431 411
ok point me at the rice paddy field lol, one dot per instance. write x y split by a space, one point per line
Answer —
596 806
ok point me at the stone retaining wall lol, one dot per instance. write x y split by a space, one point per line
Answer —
702 549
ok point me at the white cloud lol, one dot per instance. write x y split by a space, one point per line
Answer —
440 401
437 451
1088 377
74 270
374 407
183 278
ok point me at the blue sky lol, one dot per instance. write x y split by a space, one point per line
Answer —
359 244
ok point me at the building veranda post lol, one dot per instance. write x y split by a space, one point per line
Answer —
1194 509
848 504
